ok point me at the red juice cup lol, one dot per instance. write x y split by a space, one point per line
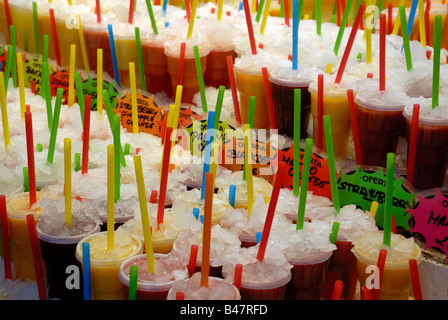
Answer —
96 37
153 286
217 73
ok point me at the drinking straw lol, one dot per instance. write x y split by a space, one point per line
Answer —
207 150
192 260
271 211
259 10
295 34
133 97
389 198
337 290
380 265
416 288
286 8
233 89
267 8
164 176
368 38
318 9
374 208
397 20
36 256
218 107
427 26
5 237
71 78
180 70
267 87
237 275
206 229
251 113
98 11
393 225
86 271
350 43
186 4
421 22
305 180
82 41
117 152
110 195
99 80
7 73
382 52
404 32
320 111
13 56
4 109
86 134
8 16
30 153
331 163
151 17
79 96
68 181
232 193
366 293
54 33
194 6
342 27
250 29
436 61
412 16
334 232
248 166
180 295
413 143
355 128
54 125
219 15
200 77
131 12
296 164
164 5
133 281
141 70
36 29
113 53
153 197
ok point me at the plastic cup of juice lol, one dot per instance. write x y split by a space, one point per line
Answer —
126 51
22 19
96 37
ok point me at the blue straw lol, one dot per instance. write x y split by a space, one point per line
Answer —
196 213
241 6
411 20
232 192
208 149
114 54
295 33
86 270
165 3
258 236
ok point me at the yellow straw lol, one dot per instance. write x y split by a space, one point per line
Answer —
70 2
85 58
99 81
421 17
248 162
110 195
144 212
21 84
175 119
4 111
397 19
374 208
192 18
254 6
71 77
133 97
68 181
329 68
368 34
267 8
220 3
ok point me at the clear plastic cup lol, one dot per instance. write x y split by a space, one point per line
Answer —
22 19
272 290
96 37
217 73
156 67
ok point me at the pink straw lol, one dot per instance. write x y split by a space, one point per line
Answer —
233 88
30 152
85 134
36 256
267 88
382 52
415 279
380 265
350 42
237 276
413 143
5 237
164 177
250 29
355 129
320 111
180 72
192 261
271 211
131 12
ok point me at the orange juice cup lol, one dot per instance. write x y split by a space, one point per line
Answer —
156 67
217 73
68 35
22 19
3 22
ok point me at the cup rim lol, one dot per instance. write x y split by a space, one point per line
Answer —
266 286
315 258
63 240
386 107
237 292
427 121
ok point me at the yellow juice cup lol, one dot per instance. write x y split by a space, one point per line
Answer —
396 279
68 35
126 51
22 19
45 28
18 206
105 264
3 22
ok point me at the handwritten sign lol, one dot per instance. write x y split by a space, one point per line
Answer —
362 187
60 79
89 87
32 67
149 115
431 220
319 178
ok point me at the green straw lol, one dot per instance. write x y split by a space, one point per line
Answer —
404 32
304 186
342 27
46 84
218 107
251 115
45 48
260 10
200 78
436 61
118 152
133 282
79 95
318 10
54 126
78 161
36 28
9 60
127 148
331 163
26 185
14 57
334 232
296 163
141 70
389 198
151 17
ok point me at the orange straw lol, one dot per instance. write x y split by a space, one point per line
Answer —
206 229
36 256
355 128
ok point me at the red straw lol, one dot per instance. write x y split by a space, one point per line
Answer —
355 129
98 11
180 72
55 38
427 9
206 228
233 88
187 9
350 42
413 143
338 10
382 52
366 293
390 18
30 152
36 256
337 290
131 12
153 198
271 211
380 265
286 10
33 86
164 176
85 134
415 280
5 237
393 225
179 295
8 17
192 261
237 275
320 111
250 29
267 88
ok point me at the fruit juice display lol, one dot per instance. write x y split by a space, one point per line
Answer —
22 19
